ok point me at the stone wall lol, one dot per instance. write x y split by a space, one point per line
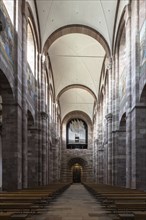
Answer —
25 127
126 151
77 154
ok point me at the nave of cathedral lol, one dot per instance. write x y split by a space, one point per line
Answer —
72 94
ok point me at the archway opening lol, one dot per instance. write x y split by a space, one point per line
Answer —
77 173
7 135
141 140
30 150
77 170
121 153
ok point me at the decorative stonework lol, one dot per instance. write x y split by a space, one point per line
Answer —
44 115
109 116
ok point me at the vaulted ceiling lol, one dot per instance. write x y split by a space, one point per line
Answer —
77 58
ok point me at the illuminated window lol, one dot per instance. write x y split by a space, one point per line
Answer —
31 50
9 4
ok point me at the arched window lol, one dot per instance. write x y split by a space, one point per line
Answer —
10 9
31 50
77 132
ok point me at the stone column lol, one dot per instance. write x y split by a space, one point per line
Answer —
100 146
0 156
138 112
128 93
43 125
115 115
55 161
24 96
44 148
109 125
109 148
33 157
11 152
47 150
39 118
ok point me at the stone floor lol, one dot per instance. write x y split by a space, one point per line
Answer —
76 203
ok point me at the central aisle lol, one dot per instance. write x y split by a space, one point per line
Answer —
76 203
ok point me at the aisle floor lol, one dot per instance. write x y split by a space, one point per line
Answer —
76 203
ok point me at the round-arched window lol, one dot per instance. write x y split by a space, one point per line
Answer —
77 132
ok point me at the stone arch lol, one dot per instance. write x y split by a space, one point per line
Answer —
76 86
141 142
5 85
8 135
80 114
79 160
52 91
83 116
34 44
82 29
30 148
122 122
119 32
30 16
78 168
30 119
143 95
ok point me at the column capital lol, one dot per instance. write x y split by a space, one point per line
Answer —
109 116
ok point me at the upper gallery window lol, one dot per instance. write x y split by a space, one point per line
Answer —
31 50
9 4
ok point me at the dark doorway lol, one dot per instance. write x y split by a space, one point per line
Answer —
77 169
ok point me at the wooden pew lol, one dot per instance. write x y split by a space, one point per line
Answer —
127 203
130 206
4 206
6 215
126 216
111 200
139 215
29 200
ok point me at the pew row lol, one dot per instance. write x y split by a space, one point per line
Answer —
125 203
20 204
